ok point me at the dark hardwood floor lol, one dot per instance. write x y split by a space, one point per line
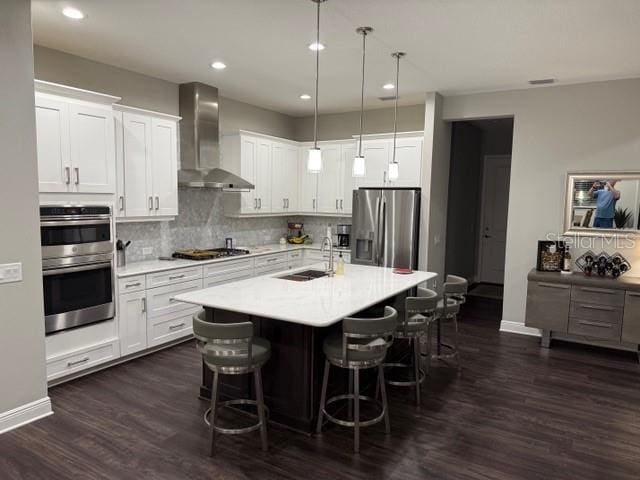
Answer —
515 411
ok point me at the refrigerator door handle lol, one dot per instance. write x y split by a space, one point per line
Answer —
382 220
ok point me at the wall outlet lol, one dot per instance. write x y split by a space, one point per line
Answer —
10 272
147 250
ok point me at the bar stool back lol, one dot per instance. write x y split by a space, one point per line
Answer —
455 291
420 311
231 349
362 344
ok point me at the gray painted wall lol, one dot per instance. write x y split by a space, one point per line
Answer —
142 91
337 126
22 353
591 126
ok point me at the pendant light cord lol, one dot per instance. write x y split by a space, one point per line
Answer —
364 49
315 114
395 108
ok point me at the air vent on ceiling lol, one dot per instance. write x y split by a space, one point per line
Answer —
542 81
387 99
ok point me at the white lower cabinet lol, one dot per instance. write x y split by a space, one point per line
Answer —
270 264
82 359
132 312
166 328
295 259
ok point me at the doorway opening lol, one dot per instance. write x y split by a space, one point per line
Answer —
479 178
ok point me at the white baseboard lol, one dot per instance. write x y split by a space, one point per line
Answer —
517 327
24 414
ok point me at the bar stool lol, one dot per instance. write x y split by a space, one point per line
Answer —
362 344
419 312
231 349
455 291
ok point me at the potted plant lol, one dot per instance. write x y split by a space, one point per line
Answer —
622 217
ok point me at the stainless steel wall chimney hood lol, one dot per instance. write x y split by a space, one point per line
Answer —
199 141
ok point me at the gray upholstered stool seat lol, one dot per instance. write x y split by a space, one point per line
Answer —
454 295
260 353
419 312
362 344
231 349
332 348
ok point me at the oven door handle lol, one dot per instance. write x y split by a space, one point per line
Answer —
78 268
68 223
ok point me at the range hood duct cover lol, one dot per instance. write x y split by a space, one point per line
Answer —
200 141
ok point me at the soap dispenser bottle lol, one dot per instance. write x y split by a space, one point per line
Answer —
340 265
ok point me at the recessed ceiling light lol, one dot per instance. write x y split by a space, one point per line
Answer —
316 46
218 65
388 86
305 96
73 13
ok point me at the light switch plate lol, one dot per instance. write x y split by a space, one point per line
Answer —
147 250
10 272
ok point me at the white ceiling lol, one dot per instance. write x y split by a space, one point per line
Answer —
453 46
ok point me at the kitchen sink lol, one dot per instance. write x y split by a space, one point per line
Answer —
304 276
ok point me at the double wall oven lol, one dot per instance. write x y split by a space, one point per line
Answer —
77 265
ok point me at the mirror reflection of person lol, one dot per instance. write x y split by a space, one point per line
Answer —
606 196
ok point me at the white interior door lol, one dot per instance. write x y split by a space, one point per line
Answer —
136 139
495 204
165 166
52 129
92 149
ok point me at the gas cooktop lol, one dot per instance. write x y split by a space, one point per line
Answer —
209 254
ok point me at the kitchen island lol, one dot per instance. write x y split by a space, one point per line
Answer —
296 316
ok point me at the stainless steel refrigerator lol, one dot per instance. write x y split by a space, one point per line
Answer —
386 225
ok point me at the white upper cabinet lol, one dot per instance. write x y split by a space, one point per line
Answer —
283 185
378 152
52 127
164 169
147 163
284 178
75 140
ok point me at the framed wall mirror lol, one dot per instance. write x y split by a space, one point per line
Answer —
602 204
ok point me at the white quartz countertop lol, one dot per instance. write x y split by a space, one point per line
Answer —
152 266
319 302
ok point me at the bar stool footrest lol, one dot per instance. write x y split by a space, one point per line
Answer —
347 423
235 431
404 383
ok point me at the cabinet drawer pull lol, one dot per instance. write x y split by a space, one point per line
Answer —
121 200
595 324
150 203
553 285
341 207
314 204
633 294
176 277
128 285
271 259
596 307
68 173
255 203
176 326
598 290
259 204
144 304
336 204
78 362
77 169
157 203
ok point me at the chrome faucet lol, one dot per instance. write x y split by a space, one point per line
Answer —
325 241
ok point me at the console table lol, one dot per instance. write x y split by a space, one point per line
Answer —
592 310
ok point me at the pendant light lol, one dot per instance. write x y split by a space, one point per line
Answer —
314 160
394 172
359 168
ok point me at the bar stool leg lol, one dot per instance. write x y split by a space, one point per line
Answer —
350 401
438 337
356 410
212 414
257 375
323 395
383 393
455 340
416 366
